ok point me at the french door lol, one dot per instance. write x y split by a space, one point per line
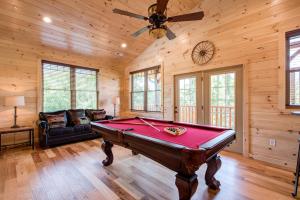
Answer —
212 98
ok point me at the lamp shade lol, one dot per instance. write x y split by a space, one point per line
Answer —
116 100
15 101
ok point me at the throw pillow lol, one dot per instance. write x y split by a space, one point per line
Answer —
98 114
78 117
84 120
56 121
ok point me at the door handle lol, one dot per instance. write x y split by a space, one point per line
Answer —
175 109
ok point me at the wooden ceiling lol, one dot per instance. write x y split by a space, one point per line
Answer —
85 27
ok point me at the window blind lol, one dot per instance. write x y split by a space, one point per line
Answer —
68 87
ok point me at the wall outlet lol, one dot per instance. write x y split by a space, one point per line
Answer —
272 142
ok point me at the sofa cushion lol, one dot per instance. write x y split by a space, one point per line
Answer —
56 121
82 128
95 115
61 131
77 117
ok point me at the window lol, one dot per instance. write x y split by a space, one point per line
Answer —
145 90
293 68
68 87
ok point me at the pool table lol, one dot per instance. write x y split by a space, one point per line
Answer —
183 154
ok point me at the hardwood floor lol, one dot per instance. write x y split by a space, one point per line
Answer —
75 172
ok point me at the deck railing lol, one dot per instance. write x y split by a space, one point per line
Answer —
222 116
151 108
188 114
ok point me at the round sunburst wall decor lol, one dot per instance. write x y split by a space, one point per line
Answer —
203 52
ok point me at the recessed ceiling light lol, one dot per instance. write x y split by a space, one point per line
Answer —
124 45
47 20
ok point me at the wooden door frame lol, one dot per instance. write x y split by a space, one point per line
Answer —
245 102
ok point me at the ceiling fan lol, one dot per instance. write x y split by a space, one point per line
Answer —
157 17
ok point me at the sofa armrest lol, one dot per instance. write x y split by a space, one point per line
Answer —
42 124
108 117
43 128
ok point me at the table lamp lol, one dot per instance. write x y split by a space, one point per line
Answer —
15 101
116 102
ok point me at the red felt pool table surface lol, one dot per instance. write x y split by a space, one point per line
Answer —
193 138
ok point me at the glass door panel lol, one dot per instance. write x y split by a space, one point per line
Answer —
187 100
222 100
187 91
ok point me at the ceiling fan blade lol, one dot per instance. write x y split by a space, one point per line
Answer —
123 12
136 34
187 17
170 35
161 6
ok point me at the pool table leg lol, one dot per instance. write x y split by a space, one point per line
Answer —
106 148
186 186
213 165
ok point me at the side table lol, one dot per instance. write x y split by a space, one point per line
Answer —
30 130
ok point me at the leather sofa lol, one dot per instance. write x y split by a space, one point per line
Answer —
69 131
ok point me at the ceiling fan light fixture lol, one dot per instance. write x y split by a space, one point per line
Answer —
152 10
158 32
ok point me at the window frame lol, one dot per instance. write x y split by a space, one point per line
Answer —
288 71
72 85
145 71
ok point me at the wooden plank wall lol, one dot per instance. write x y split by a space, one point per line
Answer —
20 66
244 32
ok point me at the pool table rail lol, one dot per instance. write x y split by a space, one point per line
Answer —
214 146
